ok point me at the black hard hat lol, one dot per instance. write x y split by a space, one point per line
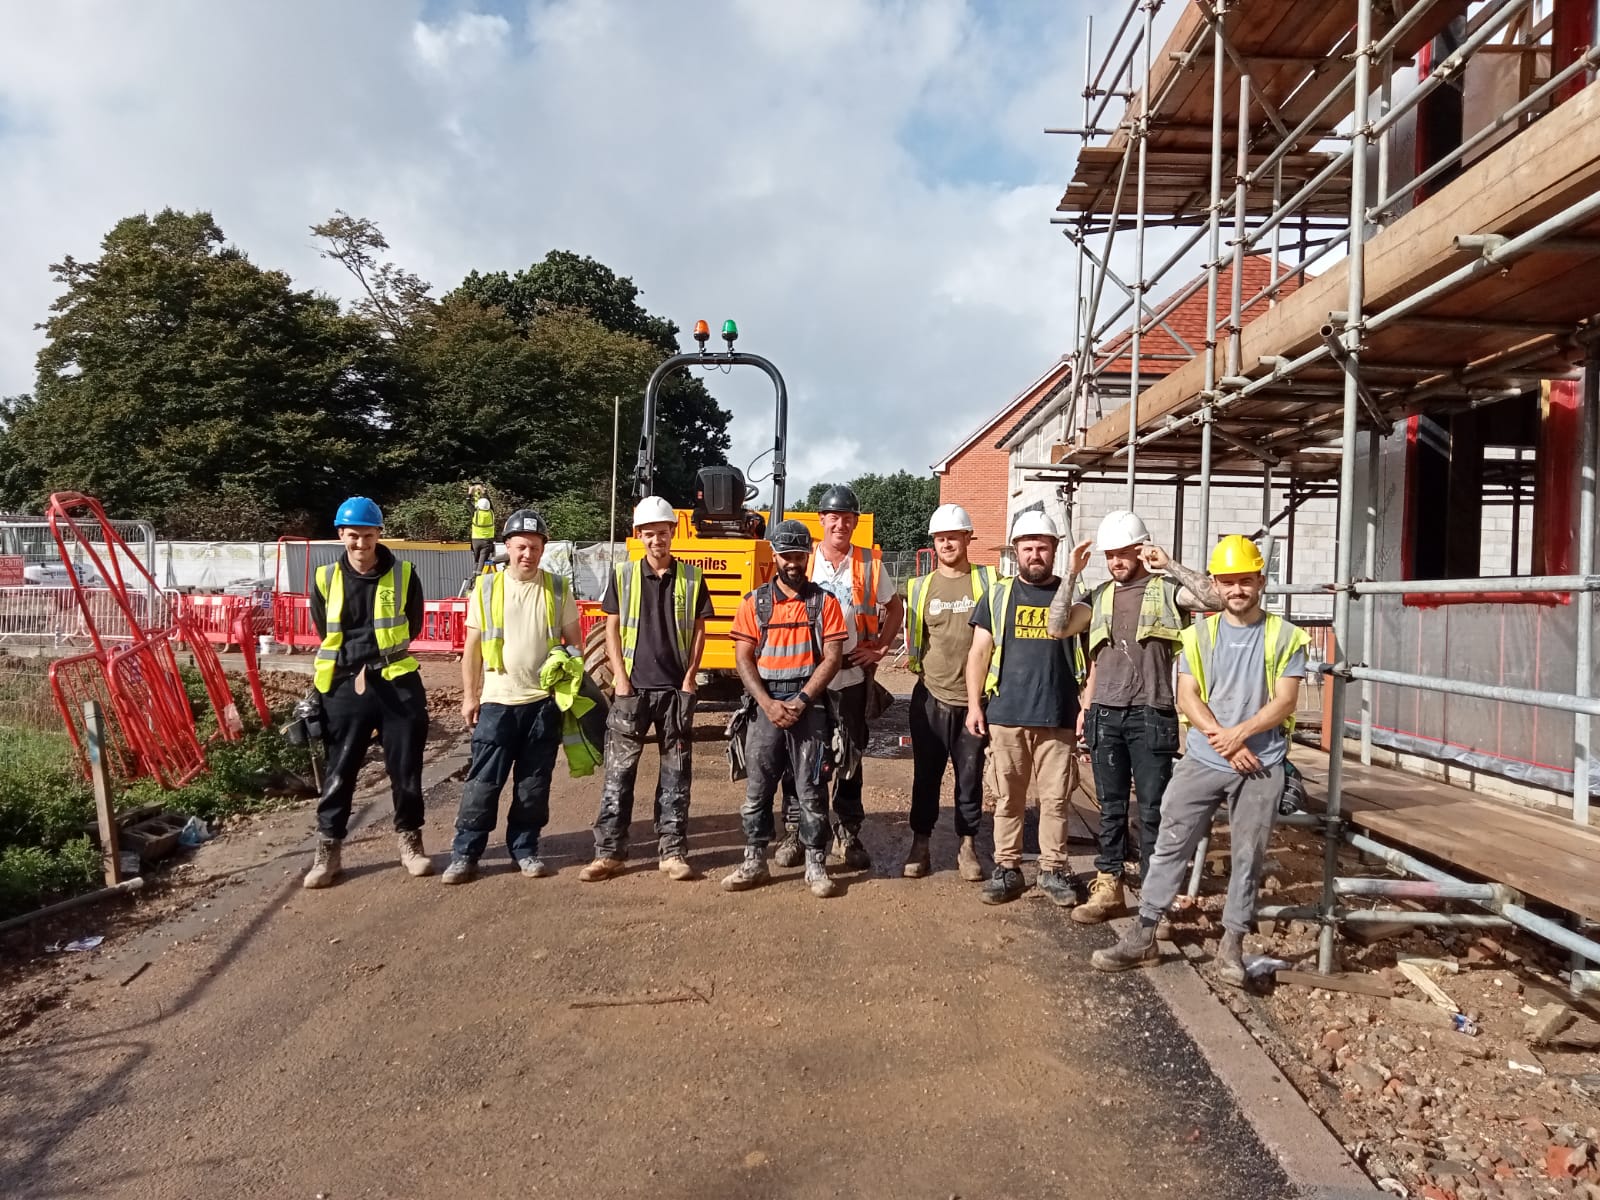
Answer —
790 537
839 499
525 520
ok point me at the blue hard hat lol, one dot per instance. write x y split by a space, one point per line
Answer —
358 510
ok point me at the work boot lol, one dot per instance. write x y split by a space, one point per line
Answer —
601 868
1164 930
1105 900
817 875
1004 886
1060 887
325 866
851 852
1136 949
790 852
967 861
677 867
750 873
412 856
1230 959
461 870
533 867
918 860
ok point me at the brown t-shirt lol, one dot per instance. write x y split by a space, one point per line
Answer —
944 663
1127 672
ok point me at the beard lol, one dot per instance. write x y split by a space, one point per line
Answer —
1035 573
793 577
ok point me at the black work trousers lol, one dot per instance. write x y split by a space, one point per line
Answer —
1131 747
772 754
939 737
848 813
397 711
670 713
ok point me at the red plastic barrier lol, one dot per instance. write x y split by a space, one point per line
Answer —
444 627
590 614
291 621
81 678
214 616
252 670
229 724
153 708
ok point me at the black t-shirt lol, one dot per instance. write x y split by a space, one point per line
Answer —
1037 683
656 661
360 643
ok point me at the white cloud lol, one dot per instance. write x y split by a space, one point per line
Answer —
862 185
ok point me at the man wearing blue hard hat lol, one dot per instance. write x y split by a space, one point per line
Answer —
367 607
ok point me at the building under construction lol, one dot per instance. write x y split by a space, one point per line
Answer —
1420 178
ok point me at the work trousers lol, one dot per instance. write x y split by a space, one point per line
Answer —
482 552
517 742
772 754
938 737
670 713
1036 759
1132 748
1193 797
397 711
850 703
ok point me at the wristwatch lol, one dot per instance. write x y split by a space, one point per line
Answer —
804 699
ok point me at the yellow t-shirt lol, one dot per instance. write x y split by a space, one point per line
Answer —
527 641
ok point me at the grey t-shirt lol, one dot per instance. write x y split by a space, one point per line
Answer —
1128 672
1238 686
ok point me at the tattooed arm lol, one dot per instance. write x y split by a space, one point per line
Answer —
1195 590
1069 616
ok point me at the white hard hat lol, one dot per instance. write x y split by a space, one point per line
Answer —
483 504
950 518
1034 523
1121 528
651 510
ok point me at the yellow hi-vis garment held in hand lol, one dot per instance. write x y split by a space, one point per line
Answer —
491 598
917 611
389 625
562 677
685 598
1280 639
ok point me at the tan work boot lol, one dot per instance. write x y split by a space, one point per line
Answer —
1230 959
918 860
325 866
412 856
967 861
1105 900
677 867
601 868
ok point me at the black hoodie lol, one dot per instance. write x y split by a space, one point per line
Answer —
360 642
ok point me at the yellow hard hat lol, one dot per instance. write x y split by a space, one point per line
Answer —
1236 555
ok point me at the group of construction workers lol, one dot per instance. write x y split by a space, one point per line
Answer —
1014 675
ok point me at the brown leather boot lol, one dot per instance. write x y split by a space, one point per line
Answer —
918 860
967 862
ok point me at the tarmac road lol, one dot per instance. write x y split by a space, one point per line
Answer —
394 1038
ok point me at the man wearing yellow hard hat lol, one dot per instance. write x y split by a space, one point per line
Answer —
1238 682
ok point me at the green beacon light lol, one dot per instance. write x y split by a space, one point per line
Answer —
730 333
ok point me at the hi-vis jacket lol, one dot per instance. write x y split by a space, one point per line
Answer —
389 624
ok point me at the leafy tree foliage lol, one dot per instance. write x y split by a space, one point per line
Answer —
901 506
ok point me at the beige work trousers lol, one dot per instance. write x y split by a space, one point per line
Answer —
1026 759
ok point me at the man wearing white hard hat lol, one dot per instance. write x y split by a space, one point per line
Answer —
938 638
1022 693
656 610
1129 720
482 528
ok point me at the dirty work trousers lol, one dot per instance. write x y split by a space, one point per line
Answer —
517 742
770 753
938 737
1040 759
396 710
851 706
482 552
1132 748
670 713
1192 799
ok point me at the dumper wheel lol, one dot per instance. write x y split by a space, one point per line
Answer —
595 662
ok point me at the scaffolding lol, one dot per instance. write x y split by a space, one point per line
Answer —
1274 128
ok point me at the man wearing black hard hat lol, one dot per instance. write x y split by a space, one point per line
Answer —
515 618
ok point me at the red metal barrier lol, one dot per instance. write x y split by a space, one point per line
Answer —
444 627
214 616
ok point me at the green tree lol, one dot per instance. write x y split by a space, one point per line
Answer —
901 506
181 382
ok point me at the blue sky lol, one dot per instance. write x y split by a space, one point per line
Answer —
870 195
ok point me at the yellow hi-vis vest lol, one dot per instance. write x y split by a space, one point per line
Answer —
685 595
917 611
491 599
482 524
999 615
389 625
1159 616
1280 639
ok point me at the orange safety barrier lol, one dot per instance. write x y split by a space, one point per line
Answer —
444 627
214 616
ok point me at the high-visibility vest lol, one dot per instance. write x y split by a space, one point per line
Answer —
685 594
1280 639
866 566
482 524
491 599
999 616
1159 616
389 625
982 579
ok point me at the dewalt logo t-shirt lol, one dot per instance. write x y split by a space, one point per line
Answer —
1037 684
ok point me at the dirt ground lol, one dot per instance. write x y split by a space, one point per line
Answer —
394 1038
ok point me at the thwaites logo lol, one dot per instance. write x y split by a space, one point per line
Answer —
705 562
